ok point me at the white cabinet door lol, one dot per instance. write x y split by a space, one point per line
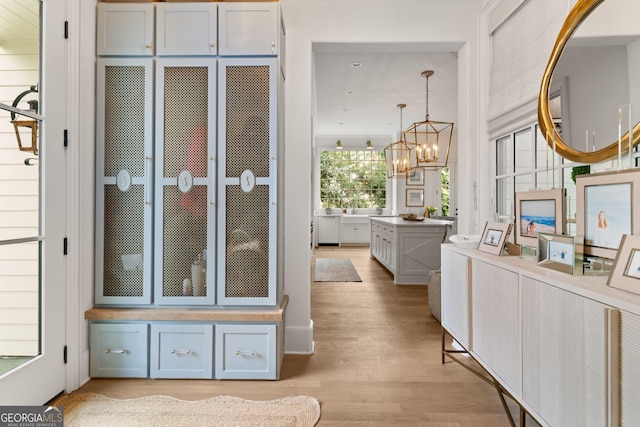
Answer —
495 314
629 369
186 28
247 181
328 230
124 148
456 296
565 366
185 214
248 28
124 29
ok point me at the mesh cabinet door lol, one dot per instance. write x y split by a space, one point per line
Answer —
247 90
185 181
123 183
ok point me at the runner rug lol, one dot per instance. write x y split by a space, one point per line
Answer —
91 409
335 270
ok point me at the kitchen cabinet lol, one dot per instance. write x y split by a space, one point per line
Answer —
410 250
355 230
328 230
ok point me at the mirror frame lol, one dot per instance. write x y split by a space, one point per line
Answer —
578 14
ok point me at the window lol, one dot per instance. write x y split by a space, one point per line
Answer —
525 162
353 179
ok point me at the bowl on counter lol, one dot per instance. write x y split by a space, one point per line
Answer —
466 241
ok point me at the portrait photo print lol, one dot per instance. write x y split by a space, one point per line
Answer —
493 237
607 214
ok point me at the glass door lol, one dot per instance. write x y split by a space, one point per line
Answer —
32 204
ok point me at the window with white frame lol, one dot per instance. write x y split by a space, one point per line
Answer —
525 162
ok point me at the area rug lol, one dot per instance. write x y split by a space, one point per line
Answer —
91 409
335 270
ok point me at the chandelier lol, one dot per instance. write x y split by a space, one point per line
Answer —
400 156
430 139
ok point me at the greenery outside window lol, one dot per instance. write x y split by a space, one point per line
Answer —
353 179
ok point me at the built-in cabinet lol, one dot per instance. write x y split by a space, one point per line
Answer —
187 189
565 347
410 250
328 229
355 230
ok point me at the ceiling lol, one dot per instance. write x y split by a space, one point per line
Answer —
362 100
19 20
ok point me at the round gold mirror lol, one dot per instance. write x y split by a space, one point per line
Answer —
566 142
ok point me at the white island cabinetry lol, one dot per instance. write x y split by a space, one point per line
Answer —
408 249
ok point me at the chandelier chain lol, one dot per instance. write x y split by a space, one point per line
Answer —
426 114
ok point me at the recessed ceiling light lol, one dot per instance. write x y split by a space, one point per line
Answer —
345 109
350 91
356 64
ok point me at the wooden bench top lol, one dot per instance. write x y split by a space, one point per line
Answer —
216 314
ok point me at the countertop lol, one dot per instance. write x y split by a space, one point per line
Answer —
396 220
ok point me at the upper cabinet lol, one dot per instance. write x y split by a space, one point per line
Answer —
125 29
248 28
186 29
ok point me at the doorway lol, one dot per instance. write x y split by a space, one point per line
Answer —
32 204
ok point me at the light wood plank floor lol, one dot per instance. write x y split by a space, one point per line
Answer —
376 361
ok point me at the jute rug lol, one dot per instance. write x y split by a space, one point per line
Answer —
335 270
91 409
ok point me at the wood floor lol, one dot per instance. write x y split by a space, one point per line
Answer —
376 361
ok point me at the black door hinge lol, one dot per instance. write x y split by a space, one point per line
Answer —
64 354
64 246
65 138
66 29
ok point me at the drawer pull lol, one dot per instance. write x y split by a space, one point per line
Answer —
251 353
123 351
180 351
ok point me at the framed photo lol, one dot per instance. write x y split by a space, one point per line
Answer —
626 268
560 253
494 236
417 178
539 212
415 197
607 207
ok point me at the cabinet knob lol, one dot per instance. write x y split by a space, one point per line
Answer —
123 351
251 353
181 351
147 46
212 44
273 47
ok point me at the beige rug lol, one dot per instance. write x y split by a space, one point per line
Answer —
335 270
90 409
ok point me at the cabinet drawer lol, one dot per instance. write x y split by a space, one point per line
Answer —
246 352
119 350
181 351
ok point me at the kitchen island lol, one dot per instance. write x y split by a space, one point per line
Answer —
410 250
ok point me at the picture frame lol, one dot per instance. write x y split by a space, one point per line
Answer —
626 268
539 211
415 197
417 178
560 252
494 236
606 209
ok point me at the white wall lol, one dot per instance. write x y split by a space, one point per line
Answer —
384 21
